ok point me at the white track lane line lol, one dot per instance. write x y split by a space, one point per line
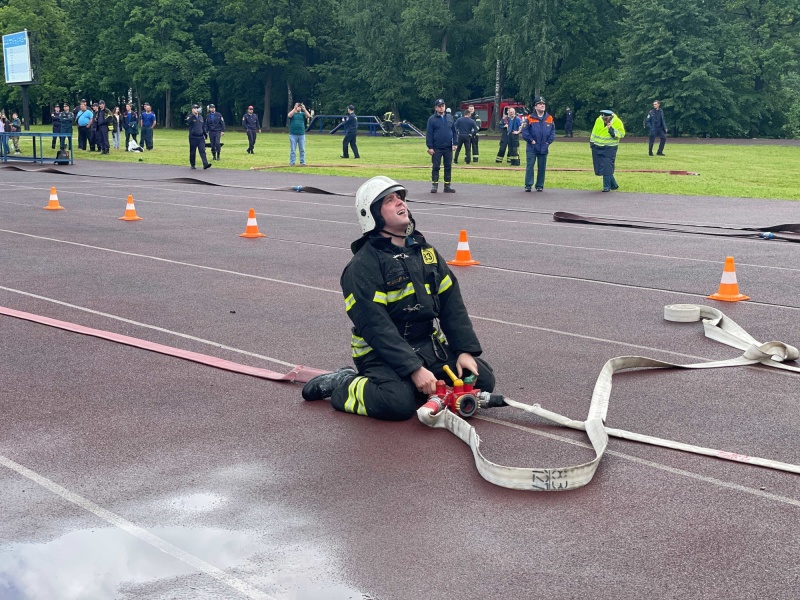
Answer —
649 463
240 586
186 264
641 461
451 234
153 327
281 362
655 465
174 262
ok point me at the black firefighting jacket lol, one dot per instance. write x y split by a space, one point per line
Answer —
392 295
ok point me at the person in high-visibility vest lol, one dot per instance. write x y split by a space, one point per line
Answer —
608 130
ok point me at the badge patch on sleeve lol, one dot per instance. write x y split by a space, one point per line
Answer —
429 256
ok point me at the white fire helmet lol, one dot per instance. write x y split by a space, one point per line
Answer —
372 191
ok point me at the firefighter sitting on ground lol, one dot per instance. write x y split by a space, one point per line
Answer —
396 287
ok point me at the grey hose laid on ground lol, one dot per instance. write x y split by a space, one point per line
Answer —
717 327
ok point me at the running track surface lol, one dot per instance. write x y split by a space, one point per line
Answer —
127 474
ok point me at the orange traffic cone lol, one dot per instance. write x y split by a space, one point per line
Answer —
463 257
53 204
728 287
251 231
130 211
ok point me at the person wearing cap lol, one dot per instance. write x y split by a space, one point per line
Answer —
569 118
83 119
395 288
251 126
539 133
440 137
197 137
608 130
103 121
655 122
297 133
215 128
465 129
130 121
350 132
67 119
55 120
147 122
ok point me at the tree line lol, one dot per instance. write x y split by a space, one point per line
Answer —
722 68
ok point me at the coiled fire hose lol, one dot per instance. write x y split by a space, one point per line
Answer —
717 327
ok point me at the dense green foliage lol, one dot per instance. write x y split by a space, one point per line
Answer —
721 67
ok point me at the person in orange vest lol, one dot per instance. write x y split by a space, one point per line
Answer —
539 134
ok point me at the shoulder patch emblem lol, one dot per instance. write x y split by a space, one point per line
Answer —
429 256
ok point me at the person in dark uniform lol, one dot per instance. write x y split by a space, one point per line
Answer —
465 128
539 134
440 137
350 133
130 121
103 120
197 137
66 119
395 288
503 125
569 117
657 124
475 135
251 126
55 119
91 129
514 129
215 128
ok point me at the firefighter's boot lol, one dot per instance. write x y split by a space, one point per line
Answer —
322 386
448 189
434 187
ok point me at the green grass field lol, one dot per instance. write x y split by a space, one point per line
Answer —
747 171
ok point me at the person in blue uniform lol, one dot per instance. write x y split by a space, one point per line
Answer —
465 129
350 133
215 128
440 138
197 137
251 127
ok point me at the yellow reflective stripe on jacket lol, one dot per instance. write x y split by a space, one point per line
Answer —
355 397
446 284
349 302
396 295
380 298
359 346
600 135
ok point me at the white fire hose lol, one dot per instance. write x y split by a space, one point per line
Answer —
717 327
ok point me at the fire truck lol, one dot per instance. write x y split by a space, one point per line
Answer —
484 108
